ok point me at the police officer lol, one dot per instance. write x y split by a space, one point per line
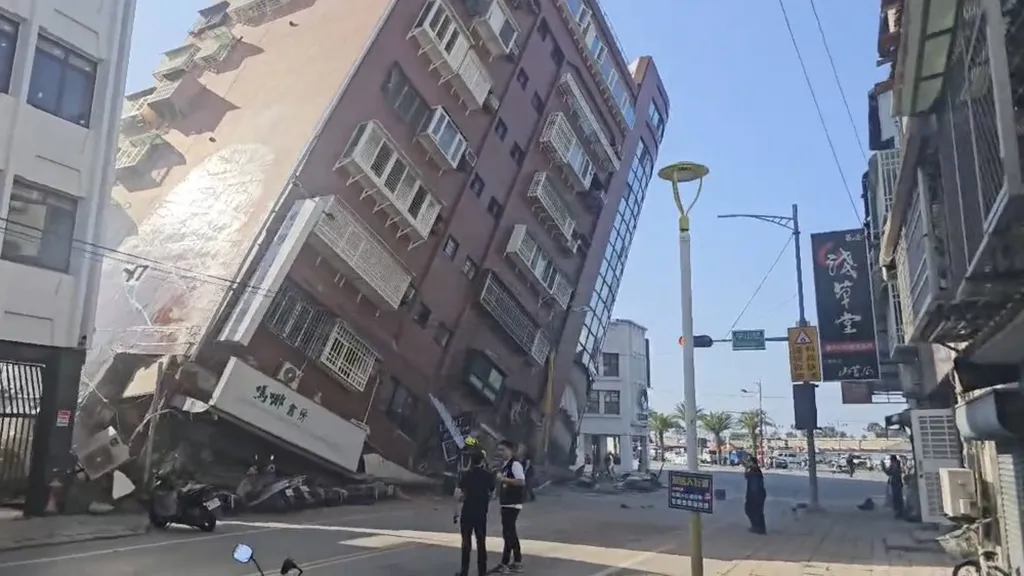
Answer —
512 492
476 483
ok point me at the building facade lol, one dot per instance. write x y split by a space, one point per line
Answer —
62 71
410 218
950 248
615 420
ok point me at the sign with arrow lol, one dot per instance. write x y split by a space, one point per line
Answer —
804 354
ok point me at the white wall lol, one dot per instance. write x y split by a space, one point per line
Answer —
37 305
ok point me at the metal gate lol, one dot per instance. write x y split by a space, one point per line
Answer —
936 446
1010 470
21 389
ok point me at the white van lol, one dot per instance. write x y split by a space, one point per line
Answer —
792 459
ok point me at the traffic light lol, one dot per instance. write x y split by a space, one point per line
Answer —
699 341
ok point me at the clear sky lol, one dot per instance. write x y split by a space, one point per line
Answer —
740 105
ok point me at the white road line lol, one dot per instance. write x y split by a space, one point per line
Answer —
609 571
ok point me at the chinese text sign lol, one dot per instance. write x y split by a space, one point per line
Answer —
693 491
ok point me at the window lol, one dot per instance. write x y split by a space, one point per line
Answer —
543 30
481 373
610 364
442 335
518 154
40 228
476 185
62 82
8 43
401 408
657 120
494 208
594 402
451 247
501 129
406 101
611 402
422 316
557 56
447 136
470 268
522 78
410 294
537 102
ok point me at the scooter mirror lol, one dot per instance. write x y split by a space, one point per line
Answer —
288 565
242 554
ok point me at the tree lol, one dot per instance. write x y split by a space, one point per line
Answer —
661 423
876 430
717 424
751 422
680 414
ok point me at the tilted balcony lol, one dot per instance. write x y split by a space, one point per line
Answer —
374 160
214 46
585 117
553 210
496 25
565 151
176 62
249 11
531 259
449 46
364 258
210 17
511 315
135 119
135 152
443 139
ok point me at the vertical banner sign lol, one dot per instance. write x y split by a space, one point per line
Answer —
846 318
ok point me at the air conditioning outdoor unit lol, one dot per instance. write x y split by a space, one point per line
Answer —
289 375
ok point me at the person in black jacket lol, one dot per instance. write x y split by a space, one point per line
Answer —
756 496
512 478
475 487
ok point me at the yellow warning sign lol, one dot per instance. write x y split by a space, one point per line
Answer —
804 354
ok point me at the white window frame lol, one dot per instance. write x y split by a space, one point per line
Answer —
348 356
443 128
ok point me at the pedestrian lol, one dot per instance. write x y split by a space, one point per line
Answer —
851 463
530 478
756 496
512 488
895 473
474 492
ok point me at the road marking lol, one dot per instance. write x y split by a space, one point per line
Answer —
148 545
611 570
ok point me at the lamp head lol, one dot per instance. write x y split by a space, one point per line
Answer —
683 172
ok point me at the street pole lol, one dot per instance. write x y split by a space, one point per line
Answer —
812 458
675 173
760 421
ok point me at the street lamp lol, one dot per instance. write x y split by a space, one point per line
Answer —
792 223
760 419
676 173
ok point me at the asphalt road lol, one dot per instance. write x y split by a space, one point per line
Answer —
566 532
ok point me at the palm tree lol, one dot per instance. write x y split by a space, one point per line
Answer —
660 424
751 422
716 424
680 413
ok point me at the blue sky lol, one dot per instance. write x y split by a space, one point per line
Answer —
741 106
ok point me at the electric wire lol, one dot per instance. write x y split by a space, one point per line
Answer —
817 107
775 308
760 285
839 84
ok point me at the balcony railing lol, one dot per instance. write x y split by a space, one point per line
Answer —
133 115
175 61
214 46
134 152
554 210
563 147
374 160
248 11
540 267
443 139
448 45
587 120
510 314
366 259
496 26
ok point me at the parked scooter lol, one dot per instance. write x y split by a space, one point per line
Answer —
243 554
193 504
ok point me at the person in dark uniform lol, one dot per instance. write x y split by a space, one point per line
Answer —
474 492
895 473
511 495
756 496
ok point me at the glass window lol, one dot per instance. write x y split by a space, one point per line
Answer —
610 364
657 120
611 402
8 44
483 375
402 408
594 402
62 82
40 228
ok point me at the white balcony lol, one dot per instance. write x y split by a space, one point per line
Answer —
214 46
365 258
554 210
443 139
510 314
249 11
565 150
374 160
133 114
473 82
134 152
588 121
497 28
442 37
531 259
177 60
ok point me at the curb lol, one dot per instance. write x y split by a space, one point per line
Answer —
74 538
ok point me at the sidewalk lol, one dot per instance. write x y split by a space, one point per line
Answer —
19 533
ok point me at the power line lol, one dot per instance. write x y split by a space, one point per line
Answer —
817 107
839 84
760 285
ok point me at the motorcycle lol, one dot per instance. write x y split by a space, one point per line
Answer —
193 504
243 554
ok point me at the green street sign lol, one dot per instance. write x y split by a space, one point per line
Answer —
748 340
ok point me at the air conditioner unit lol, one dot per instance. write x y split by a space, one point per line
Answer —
959 495
102 453
289 375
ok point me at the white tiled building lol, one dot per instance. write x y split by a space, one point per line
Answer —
615 419
62 72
